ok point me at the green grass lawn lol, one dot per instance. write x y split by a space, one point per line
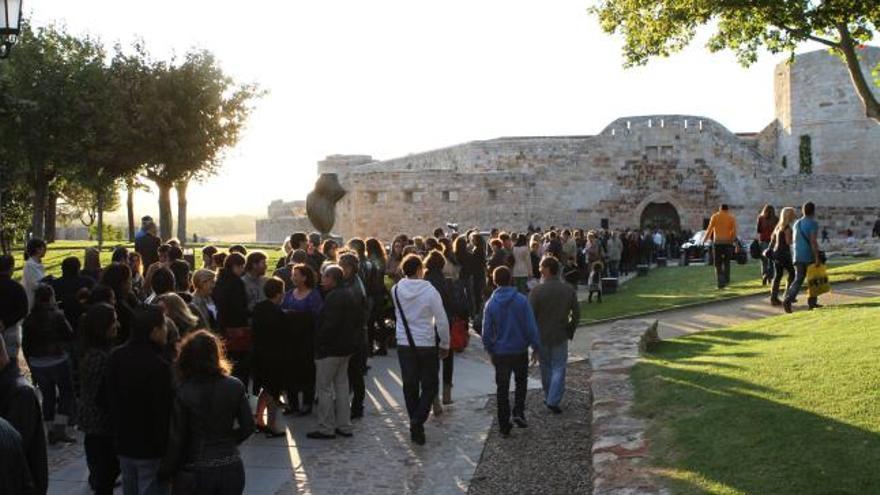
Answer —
62 249
667 288
788 404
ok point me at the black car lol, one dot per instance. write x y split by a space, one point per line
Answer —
694 249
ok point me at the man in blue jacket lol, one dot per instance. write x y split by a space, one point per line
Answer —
509 329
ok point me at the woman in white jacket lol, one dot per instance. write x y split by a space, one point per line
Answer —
32 271
422 341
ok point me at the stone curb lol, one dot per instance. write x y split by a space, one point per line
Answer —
620 445
870 278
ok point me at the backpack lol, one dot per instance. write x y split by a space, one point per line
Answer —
755 250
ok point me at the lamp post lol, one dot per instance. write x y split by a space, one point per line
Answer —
10 25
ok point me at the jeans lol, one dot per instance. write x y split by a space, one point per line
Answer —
780 269
505 364
334 409
103 463
800 274
419 369
139 477
722 254
51 378
553 361
221 480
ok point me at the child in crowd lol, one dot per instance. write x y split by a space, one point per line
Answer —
594 283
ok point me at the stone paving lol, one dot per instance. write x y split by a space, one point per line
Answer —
379 458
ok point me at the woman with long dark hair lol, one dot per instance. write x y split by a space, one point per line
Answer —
202 455
781 241
230 297
117 276
433 273
98 330
479 280
765 227
45 337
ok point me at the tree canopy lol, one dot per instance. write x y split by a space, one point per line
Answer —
653 28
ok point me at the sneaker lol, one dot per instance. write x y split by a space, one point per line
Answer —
520 421
555 409
505 429
814 306
346 434
320 435
774 301
417 434
786 305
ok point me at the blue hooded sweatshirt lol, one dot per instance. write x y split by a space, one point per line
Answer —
509 325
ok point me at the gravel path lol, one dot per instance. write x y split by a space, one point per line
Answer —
552 455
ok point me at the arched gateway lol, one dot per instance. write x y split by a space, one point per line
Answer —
661 215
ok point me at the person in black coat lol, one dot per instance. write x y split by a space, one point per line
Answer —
434 263
271 343
117 276
20 406
233 316
139 395
13 464
148 245
13 306
71 289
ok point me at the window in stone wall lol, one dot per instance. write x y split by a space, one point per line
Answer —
450 196
784 161
373 197
493 194
408 196
805 150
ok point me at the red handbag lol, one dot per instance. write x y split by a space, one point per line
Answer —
459 337
238 339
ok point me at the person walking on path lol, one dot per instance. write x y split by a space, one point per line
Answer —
557 314
766 225
780 242
209 419
509 329
722 231
422 342
139 393
806 252
338 337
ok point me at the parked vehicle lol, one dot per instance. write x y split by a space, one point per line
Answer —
694 249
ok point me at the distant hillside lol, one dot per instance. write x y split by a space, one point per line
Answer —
236 228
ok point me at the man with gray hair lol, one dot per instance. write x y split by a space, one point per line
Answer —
337 338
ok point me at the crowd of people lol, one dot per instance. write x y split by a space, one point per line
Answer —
157 361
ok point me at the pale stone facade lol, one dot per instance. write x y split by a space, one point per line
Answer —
685 165
284 219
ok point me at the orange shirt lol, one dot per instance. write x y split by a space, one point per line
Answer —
722 228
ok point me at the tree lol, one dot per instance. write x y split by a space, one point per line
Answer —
45 129
201 112
660 27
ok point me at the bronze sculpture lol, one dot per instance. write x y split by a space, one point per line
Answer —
321 202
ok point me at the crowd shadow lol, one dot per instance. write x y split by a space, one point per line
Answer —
757 445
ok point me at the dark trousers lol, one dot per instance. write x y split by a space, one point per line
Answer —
781 268
722 254
241 367
56 385
419 369
800 274
357 367
223 480
478 287
447 369
505 364
103 463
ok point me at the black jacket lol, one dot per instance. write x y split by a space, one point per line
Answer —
231 299
139 394
13 302
45 333
19 405
340 329
439 282
203 424
148 247
13 464
66 289
272 342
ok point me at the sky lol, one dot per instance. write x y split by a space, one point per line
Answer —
392 77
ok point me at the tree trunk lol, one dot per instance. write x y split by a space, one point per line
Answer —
39 216
181 210
861 83
129 206
165 219
100 208
51 215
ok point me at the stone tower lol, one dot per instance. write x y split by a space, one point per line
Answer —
820 114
